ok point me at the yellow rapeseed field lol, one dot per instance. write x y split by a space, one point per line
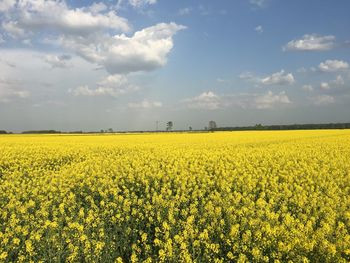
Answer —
279 196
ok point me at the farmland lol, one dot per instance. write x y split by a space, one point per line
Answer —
272 196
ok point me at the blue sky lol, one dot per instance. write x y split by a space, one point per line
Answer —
86 65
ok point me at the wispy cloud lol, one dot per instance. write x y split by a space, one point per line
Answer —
184 11
269 100
280 78
204 10
311 42
308 88
337 82
2 40
113 85
333 66
259 29
136 3
206 100
6 5
323 100
145 104
212 101
258 3
58 61
248 76
11 89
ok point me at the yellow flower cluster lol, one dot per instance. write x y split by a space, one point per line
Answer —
196 197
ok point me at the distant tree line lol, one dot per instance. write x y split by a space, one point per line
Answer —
212 127
260 127
42 132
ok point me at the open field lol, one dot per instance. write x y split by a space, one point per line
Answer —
218 197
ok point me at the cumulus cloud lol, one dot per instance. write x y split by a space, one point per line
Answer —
34 16
269 100
279 78
323 100
259 29
311 42
207 101
333 66
95 33
58 61
145 104
113 85
145 50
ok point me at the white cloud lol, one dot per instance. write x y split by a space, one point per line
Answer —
184 11
279 78
13 29
10 89
95 33
333 66
28 72
302 70
337 82
145 104
2 40
204 10
258 3
113 85
221 80
308 88
207 101
311 42
146 50
325 86
27 42
8 63
6 5
248 76
211 101
86 91
58 61
34 16
269 100
96 8
259 29
141 3
323 100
